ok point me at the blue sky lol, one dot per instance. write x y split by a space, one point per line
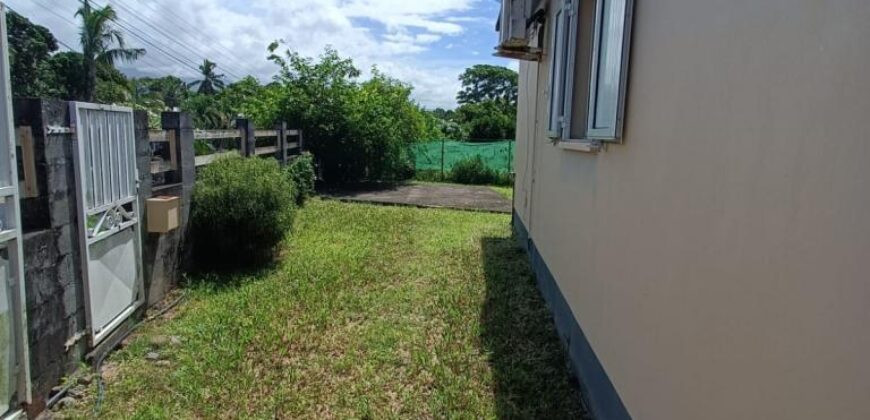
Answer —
423 42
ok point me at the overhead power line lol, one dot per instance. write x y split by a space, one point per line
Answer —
182 23
75 25
64 44
136 33
141 35
165 33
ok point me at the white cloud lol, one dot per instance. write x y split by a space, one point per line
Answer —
234 33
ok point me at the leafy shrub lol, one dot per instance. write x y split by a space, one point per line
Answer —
474 171
430 175
301 174
489 120
359 129
202 147
242 209
471 171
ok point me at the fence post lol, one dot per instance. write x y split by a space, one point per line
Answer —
442 159
166 255
281 128
246 130
301 142
181 126
510 155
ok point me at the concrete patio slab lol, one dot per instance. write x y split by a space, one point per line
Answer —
453 196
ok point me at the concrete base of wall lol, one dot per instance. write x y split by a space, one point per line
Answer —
597 390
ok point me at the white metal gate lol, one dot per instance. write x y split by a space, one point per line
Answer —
14 362
106 185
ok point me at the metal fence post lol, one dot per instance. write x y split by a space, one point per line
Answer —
510 155
442 159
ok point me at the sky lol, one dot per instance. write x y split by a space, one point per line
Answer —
426 43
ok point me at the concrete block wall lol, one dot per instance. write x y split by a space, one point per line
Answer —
57 326
166 255
52 263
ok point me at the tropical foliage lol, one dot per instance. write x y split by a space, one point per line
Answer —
102 43
357 128
488 106
211 82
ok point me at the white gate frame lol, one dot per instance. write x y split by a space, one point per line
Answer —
10 234
127 219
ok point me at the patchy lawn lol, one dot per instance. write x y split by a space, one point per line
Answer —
372 312
506 192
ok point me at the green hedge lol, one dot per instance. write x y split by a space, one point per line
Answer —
475 171
301 174
242 209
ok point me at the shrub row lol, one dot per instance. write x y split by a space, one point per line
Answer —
473 171
243 208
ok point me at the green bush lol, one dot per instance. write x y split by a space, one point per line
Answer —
474 171
202 147
301 174
242 209
430 175
358 129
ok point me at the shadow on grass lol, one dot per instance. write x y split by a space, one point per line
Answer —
532 375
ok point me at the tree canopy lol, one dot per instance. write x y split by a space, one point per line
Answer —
487 108
484 82
30 47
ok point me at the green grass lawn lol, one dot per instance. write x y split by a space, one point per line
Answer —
372 312
506 192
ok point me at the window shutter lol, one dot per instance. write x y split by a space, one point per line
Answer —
559 55
609 68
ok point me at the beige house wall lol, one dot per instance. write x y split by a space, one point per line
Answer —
718 261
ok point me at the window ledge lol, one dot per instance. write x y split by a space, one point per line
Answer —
582 146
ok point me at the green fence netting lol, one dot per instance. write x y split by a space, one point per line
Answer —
498 155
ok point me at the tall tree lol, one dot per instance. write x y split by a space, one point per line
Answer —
483 82
30 48
67 69
101 43
211 82
173 91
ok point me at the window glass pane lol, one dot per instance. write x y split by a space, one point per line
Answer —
556 74
609 64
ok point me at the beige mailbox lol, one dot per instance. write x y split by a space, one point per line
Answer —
162 214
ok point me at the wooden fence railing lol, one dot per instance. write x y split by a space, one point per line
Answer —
245 141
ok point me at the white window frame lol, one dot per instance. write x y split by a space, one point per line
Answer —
559 80
611 131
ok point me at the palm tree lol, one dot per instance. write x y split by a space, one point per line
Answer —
98 39
211 82
143 96
172 90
